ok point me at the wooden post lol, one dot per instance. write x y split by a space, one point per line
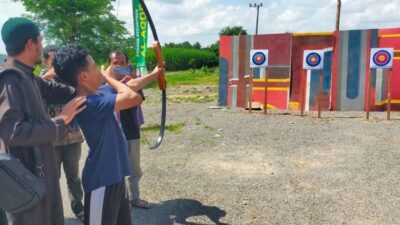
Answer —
266 92
303 84
389 94
368 91
320 93
251 91
338 9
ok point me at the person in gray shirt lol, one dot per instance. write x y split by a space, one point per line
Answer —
68 150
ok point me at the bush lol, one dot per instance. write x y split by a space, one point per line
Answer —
177 59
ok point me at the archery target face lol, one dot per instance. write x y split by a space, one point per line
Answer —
259 58
313 59
381 58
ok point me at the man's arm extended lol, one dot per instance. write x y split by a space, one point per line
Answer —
126 97
139 83
54 92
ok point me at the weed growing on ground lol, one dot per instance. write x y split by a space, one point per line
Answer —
198 121
208 127
175 128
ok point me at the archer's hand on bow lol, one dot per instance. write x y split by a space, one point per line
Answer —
139 83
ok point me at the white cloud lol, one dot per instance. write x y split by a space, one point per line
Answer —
201 20
9 9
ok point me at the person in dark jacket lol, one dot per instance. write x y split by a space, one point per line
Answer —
21 128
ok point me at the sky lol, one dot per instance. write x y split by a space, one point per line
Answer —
201 20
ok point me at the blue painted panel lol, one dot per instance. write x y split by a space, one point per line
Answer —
374 44
353 69
256 73
223 82
327 76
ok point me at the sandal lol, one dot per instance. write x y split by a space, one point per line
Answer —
142 204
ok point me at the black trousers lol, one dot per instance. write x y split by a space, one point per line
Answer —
108 205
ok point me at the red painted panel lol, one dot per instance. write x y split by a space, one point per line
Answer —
335 70
390 38
278 46
241 98
225 52
277 99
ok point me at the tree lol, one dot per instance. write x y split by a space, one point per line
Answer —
231 31
86 22
214 48
197 45
184 44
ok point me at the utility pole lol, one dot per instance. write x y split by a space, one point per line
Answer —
256 5
339 6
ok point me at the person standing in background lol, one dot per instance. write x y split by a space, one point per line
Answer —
67 151
131 122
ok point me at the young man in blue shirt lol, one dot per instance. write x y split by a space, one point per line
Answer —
107 163
67 151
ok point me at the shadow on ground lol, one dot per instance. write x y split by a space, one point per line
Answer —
179 211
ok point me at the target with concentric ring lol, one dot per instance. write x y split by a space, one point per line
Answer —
259 58
313 59
381 58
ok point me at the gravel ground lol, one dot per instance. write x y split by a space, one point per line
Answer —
226 166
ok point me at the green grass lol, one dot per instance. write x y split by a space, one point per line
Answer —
208 127
199 77
198 121
175 128
192 99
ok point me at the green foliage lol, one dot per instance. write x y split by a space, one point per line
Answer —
197 45
184 44
232 31
214 48
87 22
199 77
177 59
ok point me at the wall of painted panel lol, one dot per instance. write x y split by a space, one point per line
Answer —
279 46
224 69
301 42
312 89
350 68
345 71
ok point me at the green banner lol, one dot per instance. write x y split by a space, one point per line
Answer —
141 31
